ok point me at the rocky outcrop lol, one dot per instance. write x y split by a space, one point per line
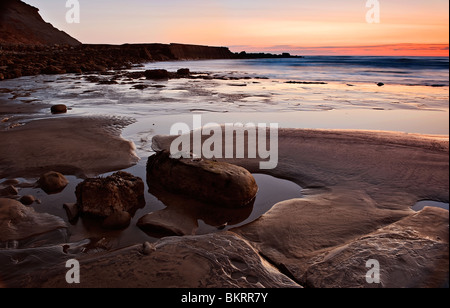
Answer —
210 261
412 253
18 222
196 52
103 197
215 183
21 23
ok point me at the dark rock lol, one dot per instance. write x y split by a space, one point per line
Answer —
140 86
107 82
306 82
217 183
156 74
135 75
148 248
72 211
53 70
184 72
52 182
117 221
9 191
27 200
57 109
102 197
380 84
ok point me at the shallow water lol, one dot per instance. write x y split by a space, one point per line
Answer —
271 191
422 204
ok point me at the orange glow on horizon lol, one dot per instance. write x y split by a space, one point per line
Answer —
410 50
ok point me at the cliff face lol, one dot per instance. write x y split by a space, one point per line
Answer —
21 23
195 52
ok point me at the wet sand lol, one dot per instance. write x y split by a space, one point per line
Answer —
357 185
80 146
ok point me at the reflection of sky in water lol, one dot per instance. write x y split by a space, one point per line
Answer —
271 191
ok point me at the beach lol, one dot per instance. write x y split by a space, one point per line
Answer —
353 158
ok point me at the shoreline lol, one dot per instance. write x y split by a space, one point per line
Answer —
356 185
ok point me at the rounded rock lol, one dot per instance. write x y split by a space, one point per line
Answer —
52 182
57 109
27 200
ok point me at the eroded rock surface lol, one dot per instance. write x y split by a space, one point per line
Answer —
217 183
210 261
103 197
18 222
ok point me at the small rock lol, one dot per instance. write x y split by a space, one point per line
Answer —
183 72
148 248
72 211
56 109
156 74
52 182
380 84
9 191
117 221
27 200
2 77
140 86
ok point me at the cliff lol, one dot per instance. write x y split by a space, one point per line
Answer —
196 52
21 23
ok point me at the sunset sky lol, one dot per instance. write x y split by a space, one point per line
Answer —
320 27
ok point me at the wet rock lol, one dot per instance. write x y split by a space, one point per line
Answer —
380 84
183 72
53 70
156 74
135 75
148 248
27 200
168 222
72 211
52 182
57 109
117 221
215 261
103 197
215 183
412 253
18 221
140 86
9 191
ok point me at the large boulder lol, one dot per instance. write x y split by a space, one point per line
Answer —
52 182
102 197
216 183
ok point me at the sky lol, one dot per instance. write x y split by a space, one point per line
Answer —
301 27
